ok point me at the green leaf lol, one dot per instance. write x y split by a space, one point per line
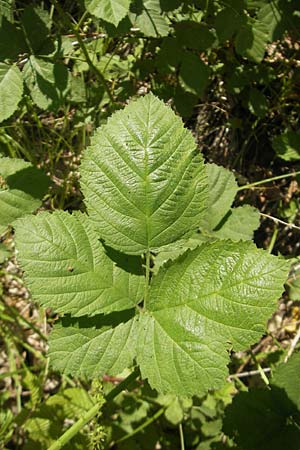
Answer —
94 347
4 253
227 23
216 297
174 412
194 35
172 251
36 24
11 90
221 221
185 102
239 224
287 146
12 40
252 39
143 179
293 283
6 9
272 15
62 252
15 204
22 190
272 414
267 427
46 423
77 92
194 74
258 103
169 55
10 166
286 376
111 11
48 83
147 17
222 191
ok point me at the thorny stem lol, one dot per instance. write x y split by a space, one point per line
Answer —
77 426
92 66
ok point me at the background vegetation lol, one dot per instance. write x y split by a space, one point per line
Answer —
231 70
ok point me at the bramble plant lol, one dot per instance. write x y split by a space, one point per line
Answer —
147 191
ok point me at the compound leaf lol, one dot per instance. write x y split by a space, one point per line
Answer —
93 347
216 297
143 179
63 253
11 90
112 11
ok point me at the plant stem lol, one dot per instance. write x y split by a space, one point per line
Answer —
147 279
273 239
277 221
142 426
182 446
81 44
77 426
267 180
260 370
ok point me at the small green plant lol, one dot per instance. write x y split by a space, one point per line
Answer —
146 189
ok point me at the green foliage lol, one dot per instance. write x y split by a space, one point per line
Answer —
46 423
47 82
221 221
155 212
80 277
4 253
293 283
109 10
287 146
196 308
11 90
272 414
147 17
21 190
207 301
133 204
